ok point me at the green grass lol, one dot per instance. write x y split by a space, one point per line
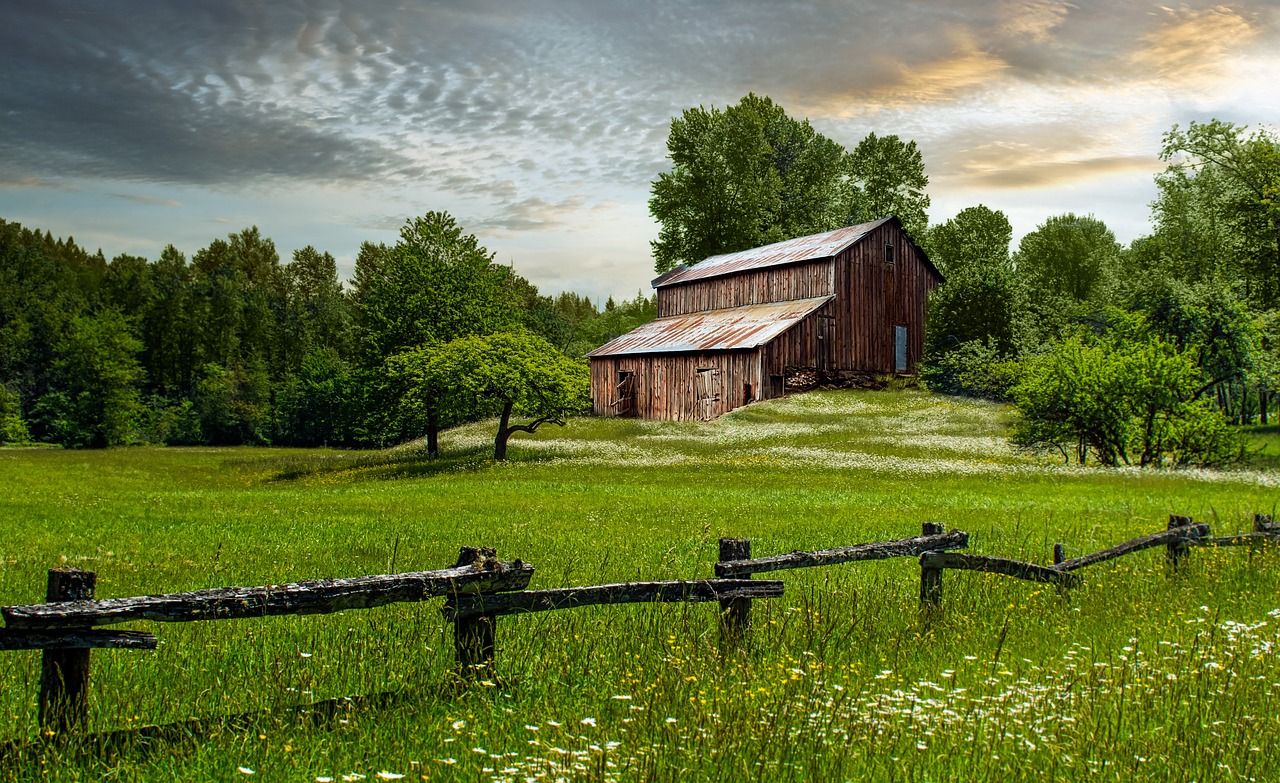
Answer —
1134 676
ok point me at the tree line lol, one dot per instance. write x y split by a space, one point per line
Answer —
232 346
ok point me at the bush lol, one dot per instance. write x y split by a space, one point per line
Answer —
1131 402
974 369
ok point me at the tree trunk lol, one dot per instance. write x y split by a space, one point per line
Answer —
504 432
1264 400
433 433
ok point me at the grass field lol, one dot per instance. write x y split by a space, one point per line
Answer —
1135 676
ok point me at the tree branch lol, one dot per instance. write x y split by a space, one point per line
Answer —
535 424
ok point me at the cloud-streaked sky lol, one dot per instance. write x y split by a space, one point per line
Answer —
540 125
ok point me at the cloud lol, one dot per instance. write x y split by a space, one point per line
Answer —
1031 173
531 214
1193 45
148 200
1033 20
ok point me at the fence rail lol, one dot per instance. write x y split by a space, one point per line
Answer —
479 588
622 593
322 596
878 550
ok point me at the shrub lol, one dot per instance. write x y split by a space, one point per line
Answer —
973 369
1131 402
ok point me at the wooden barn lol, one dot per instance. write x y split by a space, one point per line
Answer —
744 326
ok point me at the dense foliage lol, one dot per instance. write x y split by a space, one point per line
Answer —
1125 355
749 174
235 347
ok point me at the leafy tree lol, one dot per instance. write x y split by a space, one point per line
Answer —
100 375
975 241
233 404
168 328
435 284
979 302
314 406
1219 204
1068 257
127 288
316 312
744 176
887 177
12 427
509 373
420 396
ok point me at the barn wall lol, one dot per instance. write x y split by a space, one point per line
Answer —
665 383
803 345
872 297
777 284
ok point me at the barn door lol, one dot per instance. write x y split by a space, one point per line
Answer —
625 396
899 349
706 393
826 342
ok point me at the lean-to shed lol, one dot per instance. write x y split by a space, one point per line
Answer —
733 328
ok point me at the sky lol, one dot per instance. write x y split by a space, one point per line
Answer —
541 125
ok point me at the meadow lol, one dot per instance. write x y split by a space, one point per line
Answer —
1136 675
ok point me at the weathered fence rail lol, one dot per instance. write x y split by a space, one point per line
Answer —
322 596
879 550
622 593
998 565
1174 535
1182 533
75 639
479 588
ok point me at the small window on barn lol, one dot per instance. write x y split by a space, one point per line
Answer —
888 253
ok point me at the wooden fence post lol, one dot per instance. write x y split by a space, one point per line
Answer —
930 577
1176 551
1059 553
735 613
64 674
473 637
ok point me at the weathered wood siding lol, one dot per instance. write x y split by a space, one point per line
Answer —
777 284
872 297
665 383
809 343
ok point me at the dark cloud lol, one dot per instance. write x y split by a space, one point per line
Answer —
528 106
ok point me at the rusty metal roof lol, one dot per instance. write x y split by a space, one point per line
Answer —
790 251
714 330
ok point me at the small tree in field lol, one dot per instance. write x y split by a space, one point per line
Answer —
505 374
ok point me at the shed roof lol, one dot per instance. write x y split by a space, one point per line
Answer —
789 251
714 330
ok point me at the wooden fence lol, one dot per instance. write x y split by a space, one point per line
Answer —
479 588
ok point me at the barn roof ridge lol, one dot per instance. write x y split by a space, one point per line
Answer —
813 247
723 329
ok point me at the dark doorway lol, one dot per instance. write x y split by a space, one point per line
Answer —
625 400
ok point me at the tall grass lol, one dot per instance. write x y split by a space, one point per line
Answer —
1134 676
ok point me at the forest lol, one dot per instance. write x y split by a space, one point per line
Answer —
1149 353
232 346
